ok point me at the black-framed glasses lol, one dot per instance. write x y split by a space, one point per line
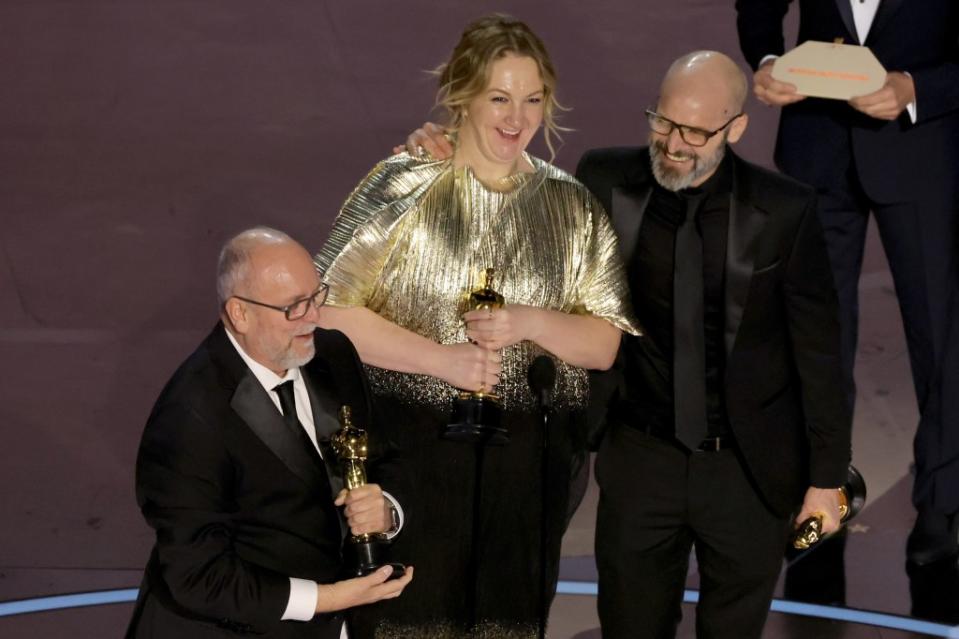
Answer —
299 308
691 135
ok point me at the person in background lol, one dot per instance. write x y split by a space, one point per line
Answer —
895 153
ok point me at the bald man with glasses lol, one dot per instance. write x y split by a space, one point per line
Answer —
727 423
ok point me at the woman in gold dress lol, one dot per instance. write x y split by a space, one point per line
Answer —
410 243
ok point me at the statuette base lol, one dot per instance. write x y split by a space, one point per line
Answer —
476 420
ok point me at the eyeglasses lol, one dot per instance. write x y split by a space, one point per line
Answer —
298 309
693 136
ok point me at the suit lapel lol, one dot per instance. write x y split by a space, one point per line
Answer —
253 405
845 10
628 206
746 223
325 410
887 9
328 378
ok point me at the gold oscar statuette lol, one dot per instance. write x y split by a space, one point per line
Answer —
350 444
477 414
852 497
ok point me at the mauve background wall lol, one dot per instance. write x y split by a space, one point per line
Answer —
136 136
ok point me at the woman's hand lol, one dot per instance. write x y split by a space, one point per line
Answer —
585 341
429 141
469 367
496 329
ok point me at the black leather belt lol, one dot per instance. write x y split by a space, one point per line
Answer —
714 444
708 445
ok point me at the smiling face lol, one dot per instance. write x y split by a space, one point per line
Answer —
680 166
279 274
698 94
500 122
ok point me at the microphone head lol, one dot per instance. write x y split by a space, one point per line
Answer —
542 375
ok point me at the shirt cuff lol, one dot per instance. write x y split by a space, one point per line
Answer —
302 603
911 107
399 513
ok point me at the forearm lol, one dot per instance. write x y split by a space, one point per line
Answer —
383 343
585 341
813 316
183 477
208 577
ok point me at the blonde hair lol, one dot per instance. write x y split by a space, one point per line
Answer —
465 75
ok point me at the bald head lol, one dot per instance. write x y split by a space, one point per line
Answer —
270 295
235 268
707 75
699 112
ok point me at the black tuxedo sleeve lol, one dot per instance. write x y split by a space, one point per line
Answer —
184 484
813 318
760 27
592 174
603 385
937 88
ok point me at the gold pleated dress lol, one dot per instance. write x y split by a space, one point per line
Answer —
410 243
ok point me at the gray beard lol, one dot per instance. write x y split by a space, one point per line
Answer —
670 179
294 361
286 359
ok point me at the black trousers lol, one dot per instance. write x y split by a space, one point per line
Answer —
657 502
921 240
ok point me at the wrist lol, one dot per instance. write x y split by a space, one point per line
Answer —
326 598
434 358
532 322
392 519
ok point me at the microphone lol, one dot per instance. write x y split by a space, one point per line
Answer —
542 378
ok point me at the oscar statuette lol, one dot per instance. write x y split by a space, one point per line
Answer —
364 552
476 414
852 497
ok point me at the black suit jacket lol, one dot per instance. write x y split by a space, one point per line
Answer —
238 502
782 378
820 139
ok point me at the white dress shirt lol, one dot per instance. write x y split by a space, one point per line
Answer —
863 13
301 605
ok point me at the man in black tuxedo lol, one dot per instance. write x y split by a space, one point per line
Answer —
230 473
894 152
728 417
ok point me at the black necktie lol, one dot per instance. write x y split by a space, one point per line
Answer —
288 406
689 343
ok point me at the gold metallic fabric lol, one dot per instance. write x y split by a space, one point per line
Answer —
415 237
483 630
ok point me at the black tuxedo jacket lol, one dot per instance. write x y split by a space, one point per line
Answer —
238 502
782 378
820 139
